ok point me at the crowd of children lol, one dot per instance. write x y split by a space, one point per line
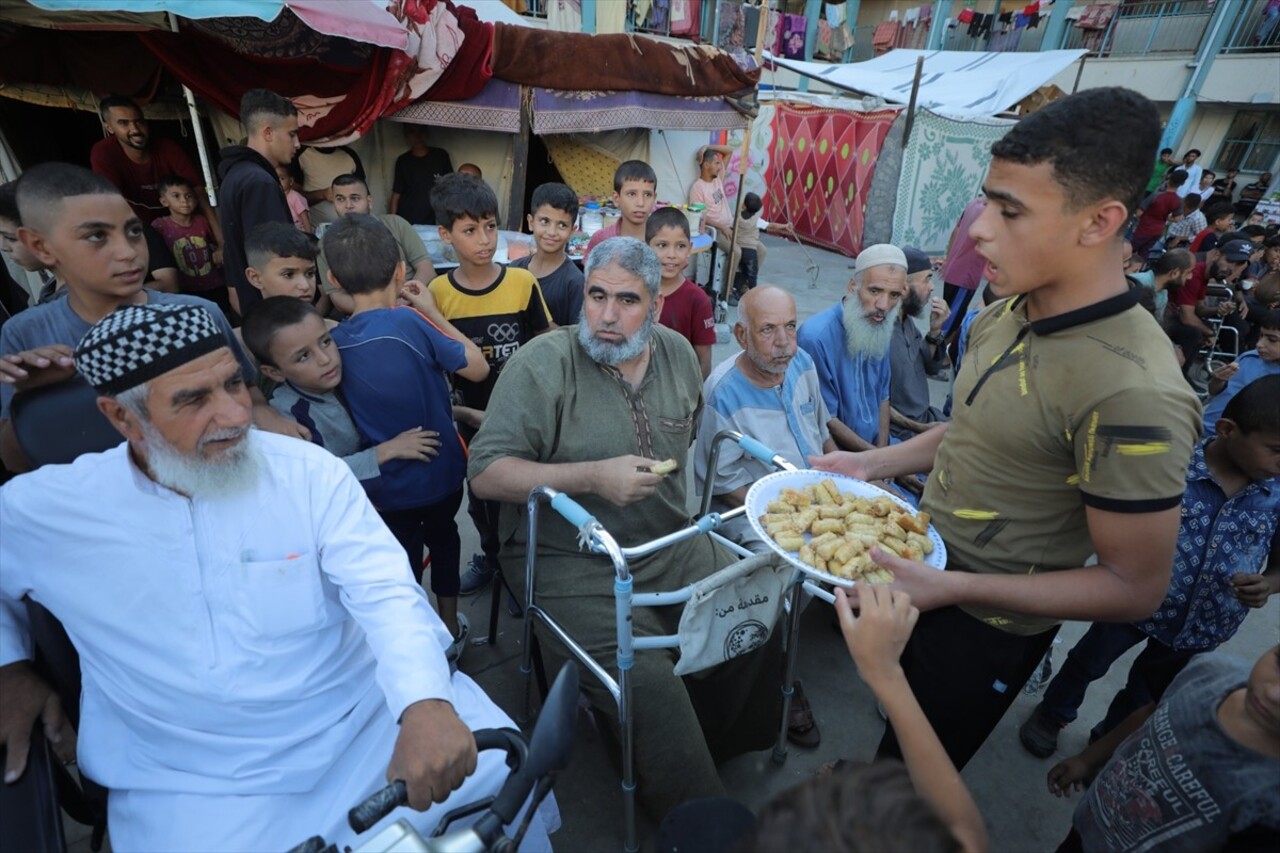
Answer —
1189 751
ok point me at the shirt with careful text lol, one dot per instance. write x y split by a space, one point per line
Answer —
1084 409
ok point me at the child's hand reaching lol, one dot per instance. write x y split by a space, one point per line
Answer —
416 443
416 295
878 634
217 257
1070 776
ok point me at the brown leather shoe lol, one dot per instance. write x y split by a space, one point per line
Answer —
802 728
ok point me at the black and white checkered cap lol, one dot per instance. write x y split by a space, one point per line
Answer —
137 343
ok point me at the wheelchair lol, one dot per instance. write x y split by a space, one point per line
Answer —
599 541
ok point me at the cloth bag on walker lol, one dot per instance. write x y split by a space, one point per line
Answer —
732 612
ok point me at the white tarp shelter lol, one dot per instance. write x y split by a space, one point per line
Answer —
963 84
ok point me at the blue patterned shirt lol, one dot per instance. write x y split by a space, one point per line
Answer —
1219 537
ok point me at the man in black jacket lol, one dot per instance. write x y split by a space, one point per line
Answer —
251 191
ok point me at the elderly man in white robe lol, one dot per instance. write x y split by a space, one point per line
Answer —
256 657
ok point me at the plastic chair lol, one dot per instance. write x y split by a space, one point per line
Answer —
599 541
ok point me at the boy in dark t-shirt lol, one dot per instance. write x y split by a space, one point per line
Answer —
685 307
555 207
497 307
190 238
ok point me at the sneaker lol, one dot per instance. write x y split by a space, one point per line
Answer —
1039 735
454 653
478 575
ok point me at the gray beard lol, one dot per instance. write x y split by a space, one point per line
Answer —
912 304
863 337
197 477
605 352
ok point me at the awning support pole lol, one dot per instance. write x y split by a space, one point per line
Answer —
199 131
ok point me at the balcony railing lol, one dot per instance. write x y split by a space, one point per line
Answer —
1141 29
1254 30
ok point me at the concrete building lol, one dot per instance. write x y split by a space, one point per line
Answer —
1212 67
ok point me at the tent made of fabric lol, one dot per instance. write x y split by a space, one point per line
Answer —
964 84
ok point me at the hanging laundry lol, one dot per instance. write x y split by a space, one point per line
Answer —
1031 9
1034 22
835 13
1021 20
926 14
885 34
911 16
793 35
965 16
1075 13
686 16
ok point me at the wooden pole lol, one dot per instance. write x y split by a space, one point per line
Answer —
730 267
911 104
520 163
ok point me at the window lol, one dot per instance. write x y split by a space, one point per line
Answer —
1252 143
534 8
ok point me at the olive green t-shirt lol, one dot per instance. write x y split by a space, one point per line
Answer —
553 404
412 250
1088 408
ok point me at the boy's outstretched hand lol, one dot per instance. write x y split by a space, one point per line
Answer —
877 636
417 443
35 367
1069 776
417 295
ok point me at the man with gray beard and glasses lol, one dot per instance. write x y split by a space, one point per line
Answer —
252 644
849 344
588 410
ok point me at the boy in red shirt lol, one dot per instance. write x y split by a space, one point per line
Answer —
190 237
1155 214
685 308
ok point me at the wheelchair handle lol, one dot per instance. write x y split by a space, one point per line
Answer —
572 511
756 449
381 803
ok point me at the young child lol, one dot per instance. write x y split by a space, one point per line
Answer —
1230 379
1196 772
1227 560
395 358
282 261
885 805
501 308
685 308
635 189
102 274
298 206
1180 233
470 169
1221 218
416 172
555 208
10 222
749 246
293 346
190 238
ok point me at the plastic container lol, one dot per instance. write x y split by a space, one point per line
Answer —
592 221
694 212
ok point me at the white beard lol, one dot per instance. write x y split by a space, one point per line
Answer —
863 337
195 476
613 354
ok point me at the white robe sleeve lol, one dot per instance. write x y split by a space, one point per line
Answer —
15 637
361 557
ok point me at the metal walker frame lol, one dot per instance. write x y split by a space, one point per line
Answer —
599 541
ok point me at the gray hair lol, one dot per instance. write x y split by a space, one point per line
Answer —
135 400
630 254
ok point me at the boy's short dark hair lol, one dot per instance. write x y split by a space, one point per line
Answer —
1208 172
1177 179
1098 143
558 196
348 180
41 190
751 205
257 106
1190 151
1251 231
1270 319
666 217
1191 202
859 806
634 170
1217 210
362 252
1174 259
169 181
269 240
459 195
1166 150
111 102
263 320
1257 405
9 202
